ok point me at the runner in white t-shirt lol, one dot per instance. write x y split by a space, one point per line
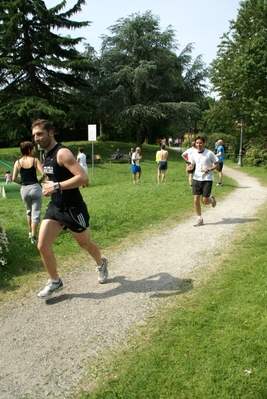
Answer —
205 162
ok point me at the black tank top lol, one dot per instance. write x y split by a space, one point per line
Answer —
65 198
28 175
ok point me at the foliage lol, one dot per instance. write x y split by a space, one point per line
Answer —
256 152
146 81
239 71
38 67
102 137
3 244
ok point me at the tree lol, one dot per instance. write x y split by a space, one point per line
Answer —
143 76
38 68
239 71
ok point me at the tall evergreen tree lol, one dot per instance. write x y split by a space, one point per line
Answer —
143 75
38 68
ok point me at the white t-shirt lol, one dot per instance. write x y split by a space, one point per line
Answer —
188 153
203 160
135 157
81 158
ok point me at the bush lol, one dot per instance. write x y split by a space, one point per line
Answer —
102 137
256 152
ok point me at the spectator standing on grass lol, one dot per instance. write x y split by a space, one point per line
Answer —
81 158
130 155
162 158
8 177
204 162
66 209
31 190
186 156
136 168
220 155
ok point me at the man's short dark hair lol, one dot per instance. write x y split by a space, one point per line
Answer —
202 138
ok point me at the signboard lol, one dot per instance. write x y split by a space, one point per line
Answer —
91 132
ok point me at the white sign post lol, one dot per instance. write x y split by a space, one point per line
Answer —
92 138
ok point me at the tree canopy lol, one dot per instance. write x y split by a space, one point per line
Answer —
239 71
38 67
145 79
137 82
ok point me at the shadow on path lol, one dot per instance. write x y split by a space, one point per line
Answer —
161 285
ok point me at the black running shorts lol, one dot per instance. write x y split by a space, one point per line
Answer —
202 188
76 219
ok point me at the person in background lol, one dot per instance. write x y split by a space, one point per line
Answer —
31 190
130 155
118 154
204 162
66 209
162 158
220 156
136 168
81 158
8 177
186 156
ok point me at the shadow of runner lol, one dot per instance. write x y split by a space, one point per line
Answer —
161 285
233 221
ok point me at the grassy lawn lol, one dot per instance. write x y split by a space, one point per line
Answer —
210 343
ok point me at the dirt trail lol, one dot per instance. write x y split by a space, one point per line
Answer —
45 346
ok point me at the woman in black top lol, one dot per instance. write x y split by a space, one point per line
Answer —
31 190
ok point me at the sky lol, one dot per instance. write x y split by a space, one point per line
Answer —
201 22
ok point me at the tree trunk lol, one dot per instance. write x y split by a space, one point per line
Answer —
138 134
101 127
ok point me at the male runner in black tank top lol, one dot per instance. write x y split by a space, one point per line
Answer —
66 208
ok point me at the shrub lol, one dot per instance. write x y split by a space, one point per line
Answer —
256 152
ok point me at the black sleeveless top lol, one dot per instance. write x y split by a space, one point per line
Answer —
62 199
28 175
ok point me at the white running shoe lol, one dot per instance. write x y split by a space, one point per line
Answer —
50 288
199 222
102 271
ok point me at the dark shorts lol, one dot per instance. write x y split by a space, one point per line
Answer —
136 169
220 167
163 165
75 219
202 188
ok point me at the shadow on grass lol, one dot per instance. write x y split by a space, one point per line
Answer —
161 285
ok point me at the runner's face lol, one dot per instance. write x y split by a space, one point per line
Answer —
200 145
42 137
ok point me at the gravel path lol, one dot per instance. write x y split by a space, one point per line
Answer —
46 345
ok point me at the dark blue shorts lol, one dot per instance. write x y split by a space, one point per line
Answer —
136 169
163 165
76 219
